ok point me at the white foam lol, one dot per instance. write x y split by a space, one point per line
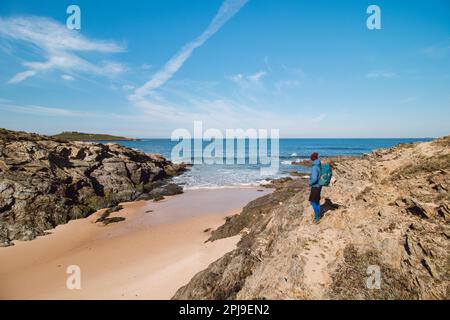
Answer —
214 177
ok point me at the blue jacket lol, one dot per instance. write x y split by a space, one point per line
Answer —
316 170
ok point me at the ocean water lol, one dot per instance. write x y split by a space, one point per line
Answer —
247 174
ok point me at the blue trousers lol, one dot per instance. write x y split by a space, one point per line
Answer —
316 207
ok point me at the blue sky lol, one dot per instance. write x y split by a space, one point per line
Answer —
145 68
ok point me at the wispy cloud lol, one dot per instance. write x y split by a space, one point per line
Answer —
128 87
257 76
146 66
319 118
295 78
180 103
21 76
287 84
381 75
227 10
222 113
58 46
267 64
439 50
67 77
294 71
40 110
245 80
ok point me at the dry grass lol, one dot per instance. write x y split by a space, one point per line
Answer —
349 279
428 165
442 142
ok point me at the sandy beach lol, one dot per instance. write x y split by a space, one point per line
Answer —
157 249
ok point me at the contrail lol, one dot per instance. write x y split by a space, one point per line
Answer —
227 10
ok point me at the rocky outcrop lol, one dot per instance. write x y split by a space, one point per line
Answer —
386 217
45 182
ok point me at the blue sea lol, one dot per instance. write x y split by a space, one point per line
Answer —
231 175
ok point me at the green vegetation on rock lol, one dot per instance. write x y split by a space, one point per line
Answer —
81 136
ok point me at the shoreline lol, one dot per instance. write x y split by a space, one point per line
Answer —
389 209
156 250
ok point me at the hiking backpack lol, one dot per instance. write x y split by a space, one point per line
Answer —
325 175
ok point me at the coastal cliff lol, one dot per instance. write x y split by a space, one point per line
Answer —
46 181
387 211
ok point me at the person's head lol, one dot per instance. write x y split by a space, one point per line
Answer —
314 156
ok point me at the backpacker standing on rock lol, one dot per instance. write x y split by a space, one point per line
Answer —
319 177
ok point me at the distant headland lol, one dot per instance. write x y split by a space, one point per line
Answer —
81 136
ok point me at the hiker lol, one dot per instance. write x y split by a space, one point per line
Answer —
320 177
316 188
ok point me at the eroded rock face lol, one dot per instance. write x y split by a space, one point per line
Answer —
46 182
389 209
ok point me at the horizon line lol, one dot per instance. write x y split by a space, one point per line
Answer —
169 138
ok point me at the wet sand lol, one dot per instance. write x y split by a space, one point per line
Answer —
157 249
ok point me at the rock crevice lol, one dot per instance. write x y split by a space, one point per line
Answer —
46 181
386 211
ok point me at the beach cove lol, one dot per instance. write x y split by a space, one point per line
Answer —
156 250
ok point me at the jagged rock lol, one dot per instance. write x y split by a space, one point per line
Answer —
392 220
170 189
419 209
444 212
113 220
45 182
105 215
430 267
158 198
